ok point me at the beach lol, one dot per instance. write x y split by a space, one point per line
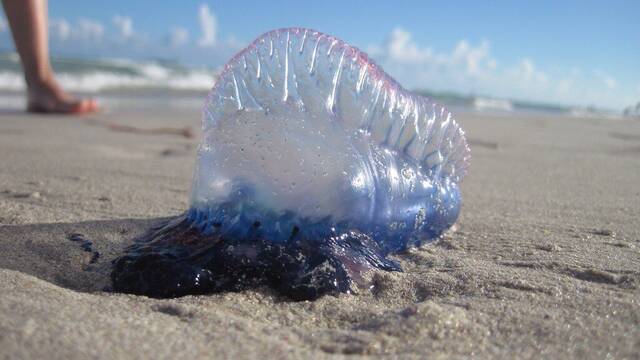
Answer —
544 261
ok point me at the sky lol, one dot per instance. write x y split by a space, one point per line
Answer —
584 53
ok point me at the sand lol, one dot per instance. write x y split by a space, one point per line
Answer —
544 261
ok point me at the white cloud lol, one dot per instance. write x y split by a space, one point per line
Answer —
470 68
610 82
422 67
208 26
178 36
464 59
526 71
60 29
124 24
82 29
401 48
3 24
90 29
476 60
564 86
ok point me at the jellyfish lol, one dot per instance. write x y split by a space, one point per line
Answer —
314 167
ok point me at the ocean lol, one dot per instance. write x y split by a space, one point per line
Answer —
143 84
119 83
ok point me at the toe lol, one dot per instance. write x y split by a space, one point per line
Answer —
85 106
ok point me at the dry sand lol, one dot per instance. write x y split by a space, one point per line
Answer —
544 261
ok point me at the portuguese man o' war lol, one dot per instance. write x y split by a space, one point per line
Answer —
314 166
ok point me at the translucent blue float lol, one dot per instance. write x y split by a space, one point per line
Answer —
310 150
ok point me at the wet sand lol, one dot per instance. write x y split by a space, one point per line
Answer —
544 261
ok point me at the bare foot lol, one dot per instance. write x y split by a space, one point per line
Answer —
48 97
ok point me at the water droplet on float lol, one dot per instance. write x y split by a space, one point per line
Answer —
407 173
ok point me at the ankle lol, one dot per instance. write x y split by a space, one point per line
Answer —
43 80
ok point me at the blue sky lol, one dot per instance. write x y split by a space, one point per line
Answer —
568 52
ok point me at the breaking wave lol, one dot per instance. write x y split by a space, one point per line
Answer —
95 76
